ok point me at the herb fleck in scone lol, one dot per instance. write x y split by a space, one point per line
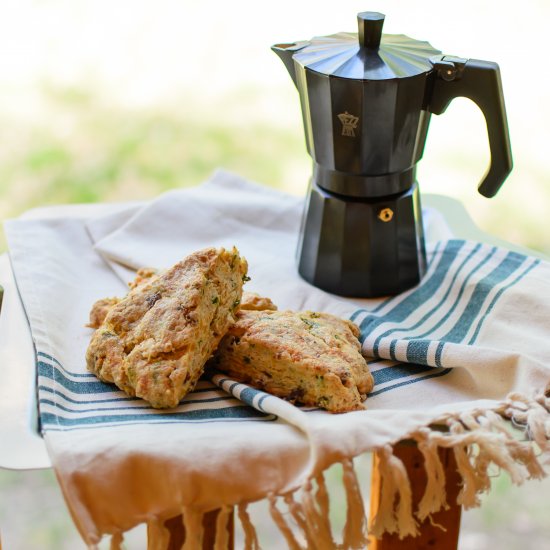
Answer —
155 342
305 357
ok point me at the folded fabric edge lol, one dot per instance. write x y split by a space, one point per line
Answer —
480 439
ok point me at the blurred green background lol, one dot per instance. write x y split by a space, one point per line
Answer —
114 101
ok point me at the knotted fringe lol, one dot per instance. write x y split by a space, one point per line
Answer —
158 535
481 441
116 541
355 530
534 415
297 511
222 533
316 510
310 515
281 523
192 522
393 516
250 537
434 498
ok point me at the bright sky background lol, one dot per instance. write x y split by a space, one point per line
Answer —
143 53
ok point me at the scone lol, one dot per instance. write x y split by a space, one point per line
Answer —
251 300
305 357
104 305
155 342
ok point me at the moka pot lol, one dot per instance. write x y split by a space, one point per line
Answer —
366 103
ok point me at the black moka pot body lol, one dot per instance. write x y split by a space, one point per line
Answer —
366 103
362 232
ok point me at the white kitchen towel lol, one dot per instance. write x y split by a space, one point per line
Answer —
467 349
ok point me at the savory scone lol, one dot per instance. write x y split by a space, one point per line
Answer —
104 305
249 300
154 342
305 357
143 275
253 301
100 309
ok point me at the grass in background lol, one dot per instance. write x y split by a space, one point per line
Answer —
88 151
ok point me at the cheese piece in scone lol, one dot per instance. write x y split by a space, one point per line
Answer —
306 357
154 342
251 300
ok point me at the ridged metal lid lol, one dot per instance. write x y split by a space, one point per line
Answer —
366 55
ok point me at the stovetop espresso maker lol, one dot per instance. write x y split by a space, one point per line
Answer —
366 102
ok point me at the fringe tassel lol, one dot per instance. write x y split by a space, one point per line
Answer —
493 447
192 522
250 536
391 517
222 533
355 530
317 518
435 497
479 439
322 501
468 495
535 415
384 521
281 523
158 536
321 497
406 524
116 541
521 453
297 511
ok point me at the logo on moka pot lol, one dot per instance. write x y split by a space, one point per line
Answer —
349 124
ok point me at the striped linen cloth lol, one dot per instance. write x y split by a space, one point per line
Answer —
474 330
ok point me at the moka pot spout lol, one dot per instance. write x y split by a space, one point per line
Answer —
285 52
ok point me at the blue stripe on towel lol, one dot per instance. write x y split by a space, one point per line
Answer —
456 301
213 415
498 295
437 307
401 370
435 374
70 373
69 411
358 312
86 386
423 293
143 405
475 311
511 263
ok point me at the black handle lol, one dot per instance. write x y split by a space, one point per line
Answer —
479 81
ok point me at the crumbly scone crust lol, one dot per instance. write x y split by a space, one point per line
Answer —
143 275
154 342
104 305
251 300
100 309
305 357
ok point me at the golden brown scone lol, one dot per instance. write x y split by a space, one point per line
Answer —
143 275
155 341
100 309
306 357
253 301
